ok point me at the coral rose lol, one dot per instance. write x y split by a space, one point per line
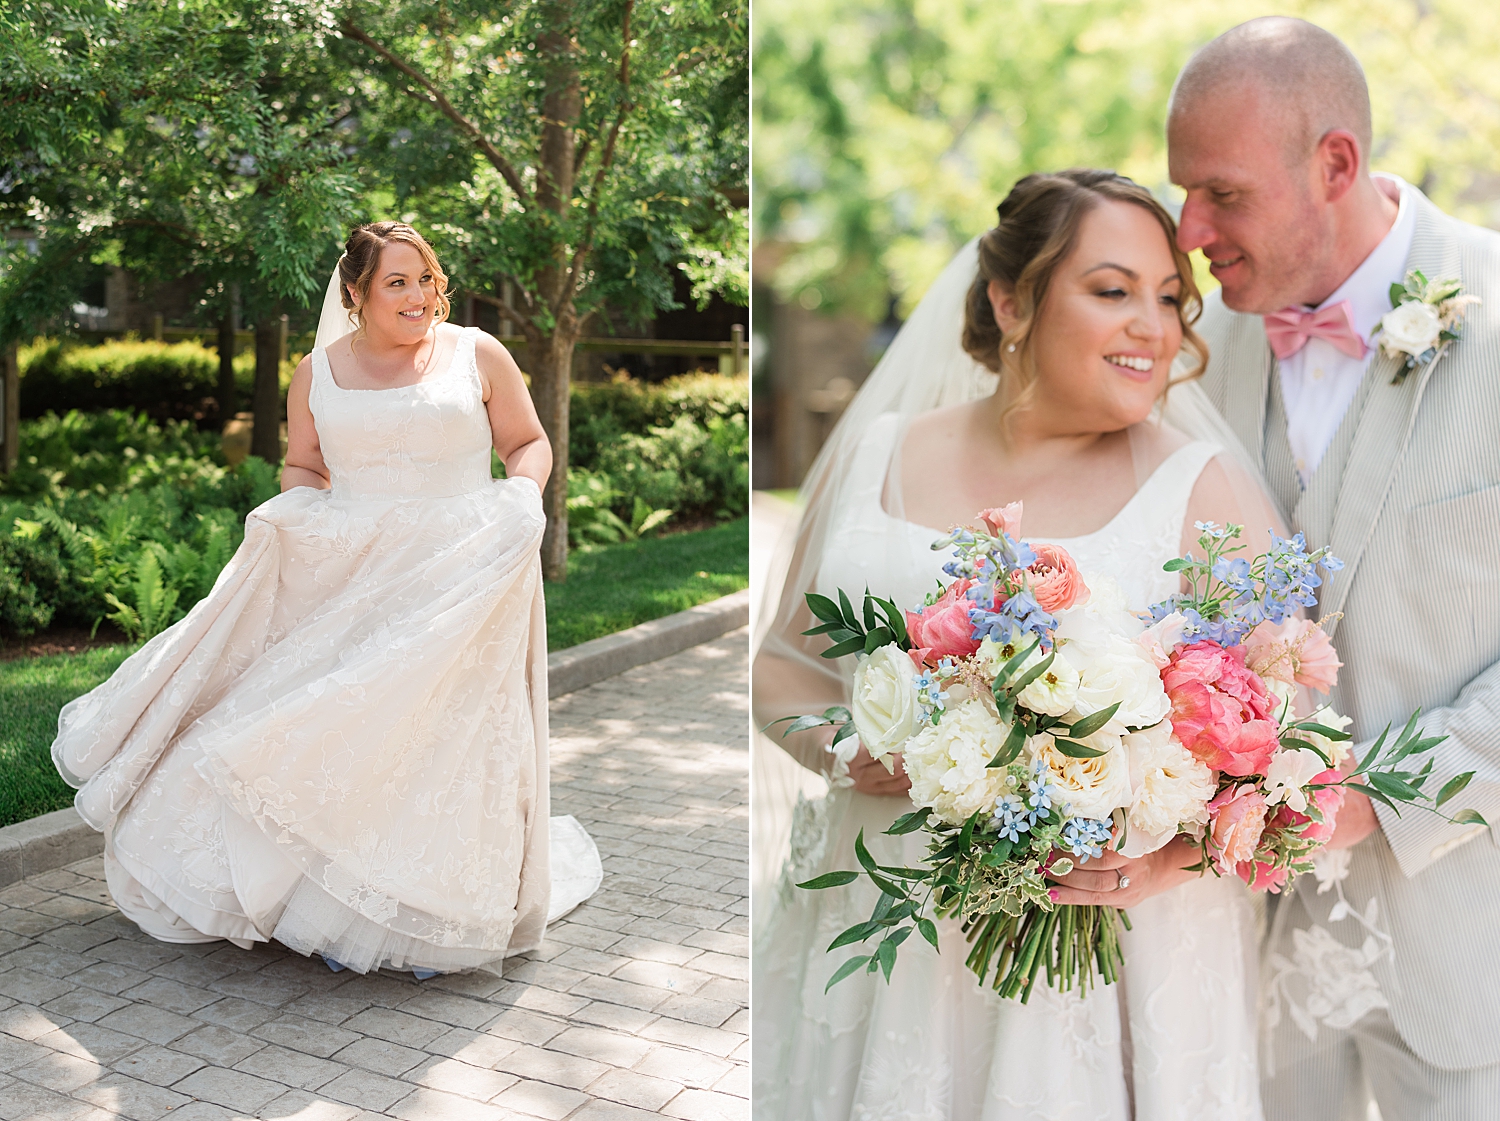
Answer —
942 629
1220 709
1003 519
1294 651
1236 820
1055 581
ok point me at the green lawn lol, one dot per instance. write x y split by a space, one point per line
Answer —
609 588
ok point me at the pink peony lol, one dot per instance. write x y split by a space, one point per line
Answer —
1220 709
1003 519
1236 819
1262 877
942 629
1296 651
1054 579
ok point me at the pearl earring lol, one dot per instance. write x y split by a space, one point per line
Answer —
1011 348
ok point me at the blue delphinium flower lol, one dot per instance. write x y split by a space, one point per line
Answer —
1011 817
1086 836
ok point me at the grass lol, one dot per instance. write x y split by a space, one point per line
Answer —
609 588
32 690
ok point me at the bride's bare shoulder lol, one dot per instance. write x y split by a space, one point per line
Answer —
938 427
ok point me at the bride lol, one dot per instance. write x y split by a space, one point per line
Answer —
1029 372
344 745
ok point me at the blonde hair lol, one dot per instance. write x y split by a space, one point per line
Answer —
362 258
1037 229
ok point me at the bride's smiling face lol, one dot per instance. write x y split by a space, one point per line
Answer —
1108 328
403 295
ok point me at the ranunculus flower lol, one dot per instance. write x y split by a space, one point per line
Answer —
1055 581
1169 789
1294 651
1093 787
1237 818
884 701
1220 709
1412 327
948 762
1003 519
942 629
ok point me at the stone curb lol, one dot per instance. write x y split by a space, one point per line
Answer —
58 838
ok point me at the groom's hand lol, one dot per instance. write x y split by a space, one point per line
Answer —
1355 822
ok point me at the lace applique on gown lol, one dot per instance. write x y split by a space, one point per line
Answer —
344 745
1175 1040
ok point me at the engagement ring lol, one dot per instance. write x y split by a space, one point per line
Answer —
1124 881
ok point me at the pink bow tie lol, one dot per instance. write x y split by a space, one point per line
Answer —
1289 329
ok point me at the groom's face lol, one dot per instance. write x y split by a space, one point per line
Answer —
1248 208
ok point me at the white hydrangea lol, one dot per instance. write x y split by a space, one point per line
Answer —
1169 789
947 762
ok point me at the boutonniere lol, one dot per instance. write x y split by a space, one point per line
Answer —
1424 318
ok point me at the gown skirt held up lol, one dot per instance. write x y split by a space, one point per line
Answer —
344 745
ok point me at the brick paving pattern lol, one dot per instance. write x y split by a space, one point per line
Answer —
635 1007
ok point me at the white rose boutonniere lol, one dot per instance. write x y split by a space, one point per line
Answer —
1424 319
884 702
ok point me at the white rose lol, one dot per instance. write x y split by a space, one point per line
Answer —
1111 669
1411 328
1169 789
1289 771
947 762
1093 787
884 704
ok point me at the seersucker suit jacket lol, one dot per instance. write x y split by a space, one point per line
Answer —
1408 496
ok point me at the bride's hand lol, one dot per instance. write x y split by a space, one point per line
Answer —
1101 882
871 777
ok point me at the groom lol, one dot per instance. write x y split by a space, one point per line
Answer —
1397 994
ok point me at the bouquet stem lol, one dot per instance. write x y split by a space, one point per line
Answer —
1073 943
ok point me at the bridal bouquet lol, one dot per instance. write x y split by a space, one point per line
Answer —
1040 720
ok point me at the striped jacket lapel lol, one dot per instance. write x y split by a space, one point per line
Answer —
1248 363
1385 424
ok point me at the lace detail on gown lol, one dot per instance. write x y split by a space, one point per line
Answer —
343 746
1175 1040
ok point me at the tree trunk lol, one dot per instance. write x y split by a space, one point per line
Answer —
265 440
551 345
10 406
229 325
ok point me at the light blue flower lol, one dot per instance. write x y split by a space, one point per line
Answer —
1086 836
1011 818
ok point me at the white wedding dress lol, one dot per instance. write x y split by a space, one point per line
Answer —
1175 1039
344 745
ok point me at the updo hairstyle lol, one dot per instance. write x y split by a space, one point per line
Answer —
1038 227
361 259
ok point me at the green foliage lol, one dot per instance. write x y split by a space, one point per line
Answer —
887 131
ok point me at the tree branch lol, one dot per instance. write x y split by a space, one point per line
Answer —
444 106
606 159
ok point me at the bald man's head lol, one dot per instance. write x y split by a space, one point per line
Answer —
1304 78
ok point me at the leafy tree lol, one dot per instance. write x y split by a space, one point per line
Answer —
570 153
887 130
193 138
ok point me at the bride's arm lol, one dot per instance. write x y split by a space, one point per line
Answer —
514 426
304 466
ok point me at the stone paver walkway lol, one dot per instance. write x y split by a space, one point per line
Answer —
635 1007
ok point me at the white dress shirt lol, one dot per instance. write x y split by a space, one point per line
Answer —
1319 381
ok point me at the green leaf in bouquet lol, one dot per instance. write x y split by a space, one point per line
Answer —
1293 743
829 879
1391 784
1323 730
1015 660
1374 752
1005 703
887 955
1060 868
862 854
848 611
1034 672
1370 791
853 645
1176 564
1077 750
844 732
851 966
802 724
885 885
1417 746
824 608
826 628
857 933
909 823
878 637
871 622
1470 817
1453 786
928 931
1397 293
906 873
895 618
1011 747
1091 724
